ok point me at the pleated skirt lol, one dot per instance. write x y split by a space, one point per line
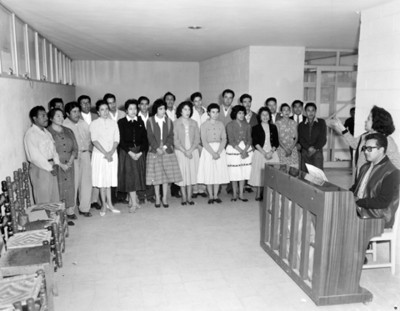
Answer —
212 171
104 173
131 173
162 169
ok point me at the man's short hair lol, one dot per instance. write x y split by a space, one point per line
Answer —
143 98
228 91
109 95
82 97
35 111
194 95
169 93
381 140
54 101
70 106
271 99
310 105
297 101
244 96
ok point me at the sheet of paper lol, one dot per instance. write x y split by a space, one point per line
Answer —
316 172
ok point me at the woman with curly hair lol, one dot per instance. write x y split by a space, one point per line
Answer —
379 121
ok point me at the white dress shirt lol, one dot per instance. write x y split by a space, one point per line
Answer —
40 148
141 115
171 114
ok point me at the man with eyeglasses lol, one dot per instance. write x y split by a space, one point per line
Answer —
376 189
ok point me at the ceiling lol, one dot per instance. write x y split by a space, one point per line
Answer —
157 30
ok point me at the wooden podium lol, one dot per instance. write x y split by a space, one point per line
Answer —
314 234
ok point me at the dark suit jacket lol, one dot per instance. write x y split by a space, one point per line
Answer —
258 135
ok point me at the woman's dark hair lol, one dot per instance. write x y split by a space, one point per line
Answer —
169 93
157 104
212 106
235 111
52 113
35 111
244 96
101 102
262 109
131 102
194 95
382 121
181 106
54 101
284 105
71 105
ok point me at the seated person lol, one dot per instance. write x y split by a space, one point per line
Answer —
376 188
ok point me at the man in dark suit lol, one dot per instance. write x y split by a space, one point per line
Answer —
312 138
297 110
271 103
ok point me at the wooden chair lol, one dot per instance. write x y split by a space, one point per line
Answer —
389 235
23 292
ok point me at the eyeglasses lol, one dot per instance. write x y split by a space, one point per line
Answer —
369 148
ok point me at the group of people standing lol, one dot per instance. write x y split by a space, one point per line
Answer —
77 155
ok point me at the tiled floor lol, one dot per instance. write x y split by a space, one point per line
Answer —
201 257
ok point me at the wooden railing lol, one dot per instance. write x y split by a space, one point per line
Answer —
314 234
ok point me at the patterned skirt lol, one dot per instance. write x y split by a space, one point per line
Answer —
162 169
212 171
131 173
238 168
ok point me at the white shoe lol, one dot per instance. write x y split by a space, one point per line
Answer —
102 213
114 210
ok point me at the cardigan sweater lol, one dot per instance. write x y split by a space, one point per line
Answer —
258 135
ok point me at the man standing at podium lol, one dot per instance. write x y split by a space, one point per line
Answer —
376 189
312 138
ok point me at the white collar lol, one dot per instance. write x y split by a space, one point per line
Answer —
131 119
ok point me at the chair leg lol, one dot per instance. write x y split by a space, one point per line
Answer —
392 249
374 251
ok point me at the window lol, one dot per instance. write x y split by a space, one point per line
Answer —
6 61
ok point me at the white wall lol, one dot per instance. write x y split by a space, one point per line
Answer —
227 71
378 81
276 72
17 97
129 79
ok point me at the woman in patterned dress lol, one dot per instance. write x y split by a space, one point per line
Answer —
287 132
67 149
186 141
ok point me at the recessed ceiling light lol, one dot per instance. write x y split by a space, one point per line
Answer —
195 27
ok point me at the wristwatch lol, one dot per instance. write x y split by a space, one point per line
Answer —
345 131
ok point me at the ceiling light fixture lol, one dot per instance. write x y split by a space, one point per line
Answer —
158 54
195 27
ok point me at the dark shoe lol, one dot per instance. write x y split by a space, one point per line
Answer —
73 217
210 201
194 195
141 202
259 199
183 203
243 200
70 223
203 194
151 200
157 205
233 199
176 195
218 200
191 203
249 190
95 205
365 261
86 214
165 205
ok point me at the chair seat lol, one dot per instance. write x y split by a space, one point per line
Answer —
19 289
29 239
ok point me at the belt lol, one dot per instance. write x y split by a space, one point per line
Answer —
50 160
